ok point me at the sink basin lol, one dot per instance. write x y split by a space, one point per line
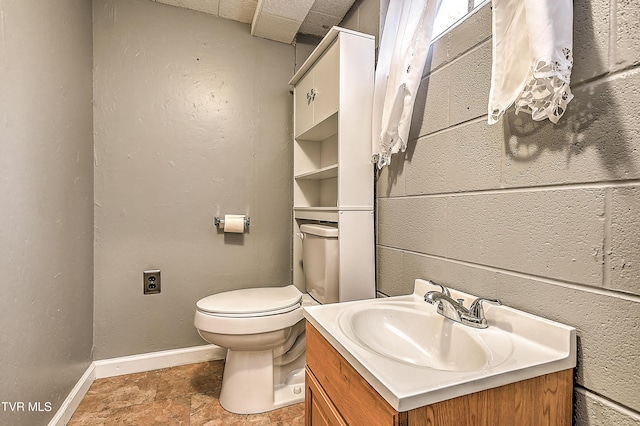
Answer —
412 356
415 337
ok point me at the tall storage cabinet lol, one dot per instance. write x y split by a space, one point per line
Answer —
333 173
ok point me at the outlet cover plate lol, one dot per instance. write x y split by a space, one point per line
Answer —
151 281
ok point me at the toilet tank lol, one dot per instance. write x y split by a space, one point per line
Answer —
320 258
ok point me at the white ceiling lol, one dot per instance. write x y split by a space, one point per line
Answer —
278 20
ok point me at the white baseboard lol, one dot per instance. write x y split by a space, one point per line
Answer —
129 365
69 405
157 360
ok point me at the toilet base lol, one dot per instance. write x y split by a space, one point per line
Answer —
248 383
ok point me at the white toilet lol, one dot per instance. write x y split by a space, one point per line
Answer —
263 329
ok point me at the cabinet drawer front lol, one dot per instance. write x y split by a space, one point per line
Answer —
356 401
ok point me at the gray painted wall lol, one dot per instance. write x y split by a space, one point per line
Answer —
188 124
364 16
193 118
46 207
543 216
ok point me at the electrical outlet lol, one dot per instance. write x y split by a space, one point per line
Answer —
151 282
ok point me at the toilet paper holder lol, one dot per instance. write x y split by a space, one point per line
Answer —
217 221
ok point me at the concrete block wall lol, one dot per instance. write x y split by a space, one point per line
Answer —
545 217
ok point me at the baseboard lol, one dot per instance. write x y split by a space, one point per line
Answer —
157 360
129 365
69 405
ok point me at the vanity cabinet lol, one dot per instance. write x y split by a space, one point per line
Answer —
337 395
332 168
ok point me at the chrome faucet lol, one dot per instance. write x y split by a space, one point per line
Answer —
476 312
456 311
443 289
452 309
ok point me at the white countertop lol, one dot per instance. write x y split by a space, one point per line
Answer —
536 347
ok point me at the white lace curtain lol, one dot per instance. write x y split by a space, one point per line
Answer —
532 60
401 58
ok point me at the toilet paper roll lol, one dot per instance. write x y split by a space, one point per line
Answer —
234 223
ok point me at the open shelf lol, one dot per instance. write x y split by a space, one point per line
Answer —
325 214
322 130
323 173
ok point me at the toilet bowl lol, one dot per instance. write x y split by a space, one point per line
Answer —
263 330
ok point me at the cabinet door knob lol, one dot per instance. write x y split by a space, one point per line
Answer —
311 95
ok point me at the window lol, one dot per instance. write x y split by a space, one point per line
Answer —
451 12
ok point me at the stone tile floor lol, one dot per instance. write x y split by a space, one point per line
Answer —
185 395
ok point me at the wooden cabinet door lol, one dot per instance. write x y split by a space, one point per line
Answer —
318 408
353 398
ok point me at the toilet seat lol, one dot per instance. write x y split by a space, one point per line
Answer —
249 311
252 302
253 314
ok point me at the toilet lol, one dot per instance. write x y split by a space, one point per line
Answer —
263 329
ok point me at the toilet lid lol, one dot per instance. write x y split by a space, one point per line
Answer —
252 302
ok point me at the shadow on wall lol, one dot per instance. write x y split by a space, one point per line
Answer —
593 118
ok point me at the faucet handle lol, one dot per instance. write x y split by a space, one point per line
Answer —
476 310
444 290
